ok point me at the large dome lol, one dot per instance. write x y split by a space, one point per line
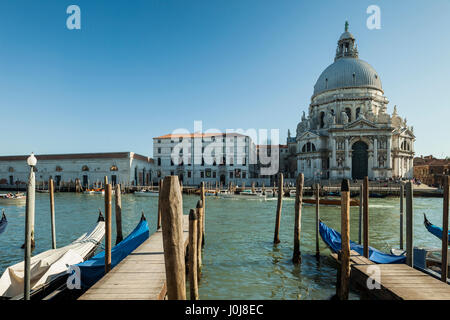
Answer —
348 73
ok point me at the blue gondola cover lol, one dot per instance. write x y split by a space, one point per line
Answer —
333 239
435 230
93 269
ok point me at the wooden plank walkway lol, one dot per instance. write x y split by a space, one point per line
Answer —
396 281
140 276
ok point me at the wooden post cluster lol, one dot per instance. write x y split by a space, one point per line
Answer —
276 239
296 258
366 217
444 254
172 232
343 287
118 205
409 225
52 211
193 255
108 226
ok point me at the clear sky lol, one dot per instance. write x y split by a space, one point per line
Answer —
140 69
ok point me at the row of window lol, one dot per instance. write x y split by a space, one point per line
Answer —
213 138
231 149
224 162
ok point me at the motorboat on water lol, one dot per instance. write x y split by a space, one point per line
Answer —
12 198
94 191
146 193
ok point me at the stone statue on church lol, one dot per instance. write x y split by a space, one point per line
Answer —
344 117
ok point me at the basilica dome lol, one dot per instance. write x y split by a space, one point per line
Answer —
347 71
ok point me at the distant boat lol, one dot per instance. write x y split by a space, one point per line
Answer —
435 230
93 269
94 191
10 198
246 194
49 268
333 240
330 202
377 195
42 191
3 222
146 193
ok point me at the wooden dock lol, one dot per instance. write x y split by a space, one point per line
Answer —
140 276
396 281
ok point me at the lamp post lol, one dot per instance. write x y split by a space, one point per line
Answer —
29 224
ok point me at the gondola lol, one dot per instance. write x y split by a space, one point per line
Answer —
48 270
333 240
435 230
377 195
3 222
92 270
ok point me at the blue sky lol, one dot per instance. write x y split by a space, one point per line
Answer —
139 69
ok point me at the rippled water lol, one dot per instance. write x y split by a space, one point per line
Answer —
239 259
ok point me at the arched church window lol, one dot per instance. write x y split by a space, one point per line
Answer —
358 111
304 148
322 119
332 112
348 111
313 147
326 83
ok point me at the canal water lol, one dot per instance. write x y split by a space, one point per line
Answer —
239 259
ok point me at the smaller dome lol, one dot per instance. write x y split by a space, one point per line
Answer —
346 35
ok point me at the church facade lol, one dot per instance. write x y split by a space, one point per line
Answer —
348 132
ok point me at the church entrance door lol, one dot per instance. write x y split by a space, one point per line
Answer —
360 159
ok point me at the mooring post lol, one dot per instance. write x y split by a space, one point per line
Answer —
118 205
200 211
29 225
366 218
172 231
317 219
193 248
160 184
296 258
202 197
361 201
444 254
409 225
276 239
108 227
52 211
402 192
106 181
343 288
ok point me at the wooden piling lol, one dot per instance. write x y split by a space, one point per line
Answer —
366 217
317 219
52 211
108 227
276 239
444 254
160 184
361 201
402 192
118 205
202 197
193 248
343 287
200 211
172 231
296 258
409 225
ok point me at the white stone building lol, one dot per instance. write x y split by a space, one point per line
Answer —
89 168
208 157
348 132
